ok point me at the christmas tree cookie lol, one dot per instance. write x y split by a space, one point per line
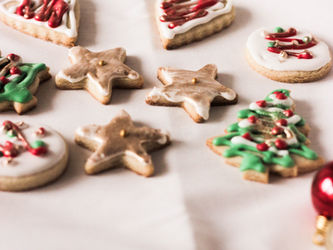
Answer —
269 137
288 55
52 20
19 82
30 156
184 21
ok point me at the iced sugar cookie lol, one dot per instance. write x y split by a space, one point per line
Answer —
269 137
98 73
19 82
195 91
52 20
184 21
288 55
120 143
30 156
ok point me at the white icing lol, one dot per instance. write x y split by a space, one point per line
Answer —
26 163
202 110
89 132
245 123
213 11
286 102
294 119
257 47
70 31
242 140
229 95
279 152
62 75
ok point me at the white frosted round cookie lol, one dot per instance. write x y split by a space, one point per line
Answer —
288 55
30 156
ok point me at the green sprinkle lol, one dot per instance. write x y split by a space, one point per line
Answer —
37 144
278 30
271 44
306 39
11 133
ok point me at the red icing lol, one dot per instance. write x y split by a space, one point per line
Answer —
261 103
284 43
247 136
8 125
252 119
322 191
262 147
280 95
281 144
8 149
15 71
276 130
178 12
288 113
13 57
51 11
4 80
282 122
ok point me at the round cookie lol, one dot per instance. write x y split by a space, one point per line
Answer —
288 55
30 156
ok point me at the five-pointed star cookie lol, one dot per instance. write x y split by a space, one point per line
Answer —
195 91
98 72
120 143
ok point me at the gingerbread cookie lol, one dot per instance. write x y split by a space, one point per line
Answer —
288 55
195 91
184 21
98 73
120 143
269 137
30 156
51 20
19 82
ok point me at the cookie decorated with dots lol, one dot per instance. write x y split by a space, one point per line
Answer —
268 138
287 54
30 156
19 82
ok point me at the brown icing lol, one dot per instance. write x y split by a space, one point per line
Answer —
118 139
197 87
103 70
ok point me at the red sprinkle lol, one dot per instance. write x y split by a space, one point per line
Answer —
280 95
13 57
247 136
288 113
276 130
252 119
262 147
4 80
282 122
38 151
15 71
261 103
281 144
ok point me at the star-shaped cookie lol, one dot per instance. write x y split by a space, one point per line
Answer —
98 73
195 91
120 143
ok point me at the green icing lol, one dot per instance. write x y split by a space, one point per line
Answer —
17 89
253 159
11 134
37 144
278 30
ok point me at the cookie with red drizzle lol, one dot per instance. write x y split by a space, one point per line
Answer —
30 156
179 18
288 55
52 20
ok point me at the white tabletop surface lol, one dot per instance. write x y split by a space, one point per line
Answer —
195 200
